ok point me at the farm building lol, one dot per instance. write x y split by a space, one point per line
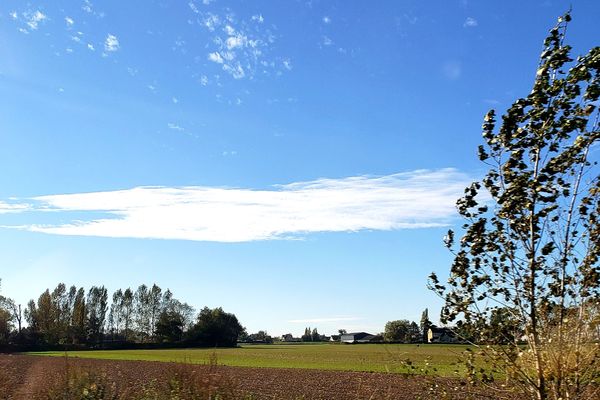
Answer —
441 335
289 338
358 337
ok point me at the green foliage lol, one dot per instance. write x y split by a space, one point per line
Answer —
215 327
401 331
315 335
169 327
96 313
74 317
11 315
528 258
425 324
5 326
307 337
78 317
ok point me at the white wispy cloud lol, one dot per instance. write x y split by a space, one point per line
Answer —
326 41
193 7
174 127
326 20
235 41
87 6
33 19
6 208
323 320
470 22
211 21
236 70
69 21
215 57
418 199
111 43
240 46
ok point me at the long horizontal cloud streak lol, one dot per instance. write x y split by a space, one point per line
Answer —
417 199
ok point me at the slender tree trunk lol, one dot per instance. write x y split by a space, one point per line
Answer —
533 269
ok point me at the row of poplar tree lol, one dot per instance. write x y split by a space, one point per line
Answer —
74 316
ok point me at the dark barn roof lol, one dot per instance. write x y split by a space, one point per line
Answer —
357 336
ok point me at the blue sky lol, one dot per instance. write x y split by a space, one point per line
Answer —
295 162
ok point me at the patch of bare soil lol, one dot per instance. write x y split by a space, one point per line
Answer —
30 378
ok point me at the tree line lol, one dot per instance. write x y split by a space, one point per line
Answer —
146 316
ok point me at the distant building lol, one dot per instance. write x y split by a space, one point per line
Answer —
358 337
288 337
335 338
441 335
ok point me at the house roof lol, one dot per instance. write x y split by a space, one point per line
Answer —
441 330
357 335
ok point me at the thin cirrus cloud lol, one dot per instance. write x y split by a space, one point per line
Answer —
417 199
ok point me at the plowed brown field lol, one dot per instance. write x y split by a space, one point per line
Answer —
29 377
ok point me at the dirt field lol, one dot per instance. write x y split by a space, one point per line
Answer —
29 377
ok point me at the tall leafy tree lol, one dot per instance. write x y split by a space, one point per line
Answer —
425 324
5 326
61 312
31 316
307 337
13 309
170 326
5 319
116 309
78 317
174 319
142 312
215 327
530 243
315 336
97 305
397 331
155 303
46 318
415 334
127 312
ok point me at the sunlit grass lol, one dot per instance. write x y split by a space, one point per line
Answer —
398 358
